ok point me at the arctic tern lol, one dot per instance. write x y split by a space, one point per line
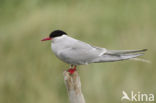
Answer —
76 52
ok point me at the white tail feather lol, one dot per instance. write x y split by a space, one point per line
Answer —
140 59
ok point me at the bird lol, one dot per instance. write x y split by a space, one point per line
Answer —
125 96
76 52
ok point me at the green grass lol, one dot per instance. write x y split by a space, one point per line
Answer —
30 72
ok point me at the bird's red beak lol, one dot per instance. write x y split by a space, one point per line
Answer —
48 38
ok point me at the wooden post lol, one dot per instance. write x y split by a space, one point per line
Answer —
73 85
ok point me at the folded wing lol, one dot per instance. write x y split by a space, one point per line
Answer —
118 55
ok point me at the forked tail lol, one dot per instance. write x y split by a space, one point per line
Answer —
118 55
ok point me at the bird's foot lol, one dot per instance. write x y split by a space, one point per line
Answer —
72 70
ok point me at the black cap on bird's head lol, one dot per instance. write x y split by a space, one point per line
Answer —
56 33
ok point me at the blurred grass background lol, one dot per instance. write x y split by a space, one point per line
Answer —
30 72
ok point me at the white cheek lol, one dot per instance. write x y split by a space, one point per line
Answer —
58 39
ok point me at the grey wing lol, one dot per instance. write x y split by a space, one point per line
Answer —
81 53
118 55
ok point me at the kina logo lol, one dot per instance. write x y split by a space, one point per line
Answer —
137 97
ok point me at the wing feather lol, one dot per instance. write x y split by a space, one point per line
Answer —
81 53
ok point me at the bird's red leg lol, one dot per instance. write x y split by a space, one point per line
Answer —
72 70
